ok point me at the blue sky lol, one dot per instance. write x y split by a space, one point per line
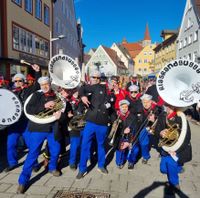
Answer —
108 21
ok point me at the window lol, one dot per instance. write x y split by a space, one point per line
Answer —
189 57
185 42
145 53
46 15
57 26
180 44
15 37
29 6
196 35
195 56
26 41
145 61
18 2
190 39
38 9
63 6
140 61
29 42
189 22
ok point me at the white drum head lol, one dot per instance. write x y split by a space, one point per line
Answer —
10 107
178 83
64 71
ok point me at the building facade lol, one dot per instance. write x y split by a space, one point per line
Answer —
124 56
142 54
165 51
188 42
65 24
25 27
106 61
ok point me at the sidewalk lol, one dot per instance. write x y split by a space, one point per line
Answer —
143 181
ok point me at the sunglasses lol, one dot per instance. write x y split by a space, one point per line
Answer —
95 77
18 81
133 91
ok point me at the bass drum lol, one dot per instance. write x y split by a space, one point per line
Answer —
10 108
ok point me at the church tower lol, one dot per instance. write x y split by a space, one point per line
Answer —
147 38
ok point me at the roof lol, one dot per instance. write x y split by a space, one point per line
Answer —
133 48
113 55
166 42
197 5
124 51
86 58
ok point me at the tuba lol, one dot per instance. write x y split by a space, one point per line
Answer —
15 108
178 84
65 73
46 116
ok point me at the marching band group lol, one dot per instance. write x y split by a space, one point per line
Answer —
138 120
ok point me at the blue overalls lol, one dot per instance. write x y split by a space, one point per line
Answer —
37 139
144 143
172 168
100 131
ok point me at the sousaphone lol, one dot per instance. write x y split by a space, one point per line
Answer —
178 84
64 73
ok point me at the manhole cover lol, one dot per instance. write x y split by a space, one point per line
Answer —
75 194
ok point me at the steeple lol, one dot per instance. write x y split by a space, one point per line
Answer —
146 34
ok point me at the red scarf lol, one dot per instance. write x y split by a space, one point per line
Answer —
49 94
171 115
123 116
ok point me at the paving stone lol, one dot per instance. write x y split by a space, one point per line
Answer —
38 190
6 195
99 184
82 183
117 186
60 181
4 187
11 178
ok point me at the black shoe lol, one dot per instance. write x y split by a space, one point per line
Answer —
36 169
20 189
130 166
72 167
55 173
103 170
144 161
81 175
120 166
10 168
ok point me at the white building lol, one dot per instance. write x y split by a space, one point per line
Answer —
188 42
106 61
124 56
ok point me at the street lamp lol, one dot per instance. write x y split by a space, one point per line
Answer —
54 39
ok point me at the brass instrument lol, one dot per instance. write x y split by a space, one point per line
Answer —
48 112
77 122
113 131
171 137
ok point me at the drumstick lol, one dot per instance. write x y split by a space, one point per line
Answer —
24 62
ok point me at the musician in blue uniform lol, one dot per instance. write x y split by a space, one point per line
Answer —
172 161
97 119
39 102
18 129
